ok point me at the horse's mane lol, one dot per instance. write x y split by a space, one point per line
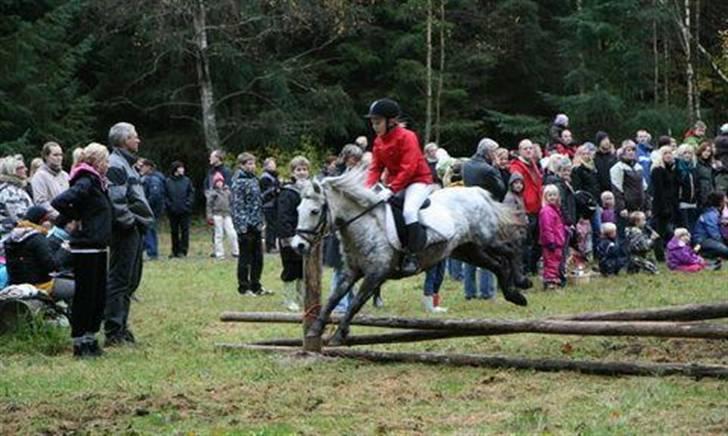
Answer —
352 183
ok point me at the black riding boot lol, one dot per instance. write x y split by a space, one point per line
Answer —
416 241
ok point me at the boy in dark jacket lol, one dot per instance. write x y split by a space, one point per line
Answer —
87 202
179 198
154 190
612 257
288 201
247 213
640 240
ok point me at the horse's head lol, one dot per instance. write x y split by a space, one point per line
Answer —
312 218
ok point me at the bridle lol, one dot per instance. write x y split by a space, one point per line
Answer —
316 234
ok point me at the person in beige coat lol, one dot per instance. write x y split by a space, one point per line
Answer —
218 212
50 179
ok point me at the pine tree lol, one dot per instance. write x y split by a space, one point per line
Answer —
41 58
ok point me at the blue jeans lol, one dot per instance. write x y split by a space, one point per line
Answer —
336 279
151 242
455 269
486 281
434 277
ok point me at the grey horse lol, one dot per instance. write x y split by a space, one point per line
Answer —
484 235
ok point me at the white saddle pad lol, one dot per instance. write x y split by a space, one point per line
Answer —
435 218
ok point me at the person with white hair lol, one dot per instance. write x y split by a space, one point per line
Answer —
628 185
480 170
14 198
131 217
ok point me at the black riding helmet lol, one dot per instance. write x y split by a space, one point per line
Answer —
385 108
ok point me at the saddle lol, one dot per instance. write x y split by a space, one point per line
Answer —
434 218
396 203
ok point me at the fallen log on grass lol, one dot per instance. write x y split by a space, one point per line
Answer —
383 338
486 327
688 312
476 360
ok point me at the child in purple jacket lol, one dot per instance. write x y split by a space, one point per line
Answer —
681 256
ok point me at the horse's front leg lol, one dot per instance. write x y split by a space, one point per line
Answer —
347 282
366 290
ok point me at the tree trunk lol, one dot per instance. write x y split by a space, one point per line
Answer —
696 84
440 77
655 60
207 99
666 66
428 114
689 72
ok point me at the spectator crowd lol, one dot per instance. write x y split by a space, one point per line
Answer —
80 236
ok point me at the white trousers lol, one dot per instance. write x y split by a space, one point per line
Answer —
224 226
414 196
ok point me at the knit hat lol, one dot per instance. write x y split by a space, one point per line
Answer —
218 177
561 120
600 137
724 129
36 214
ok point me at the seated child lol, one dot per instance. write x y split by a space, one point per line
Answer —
612 257
608 213
681 256
640 240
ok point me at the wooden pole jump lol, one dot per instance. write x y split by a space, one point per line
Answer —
475 360
503 327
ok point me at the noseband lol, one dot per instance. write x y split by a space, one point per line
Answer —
313 235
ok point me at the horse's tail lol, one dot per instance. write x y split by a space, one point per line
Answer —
506 219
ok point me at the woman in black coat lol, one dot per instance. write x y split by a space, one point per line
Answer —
704 174
87 203
664 187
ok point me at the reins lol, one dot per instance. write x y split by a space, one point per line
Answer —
305 233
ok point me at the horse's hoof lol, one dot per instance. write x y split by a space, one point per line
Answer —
338 339
516 298
524 283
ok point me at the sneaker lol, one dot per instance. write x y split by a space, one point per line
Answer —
250 293
129 337
264 291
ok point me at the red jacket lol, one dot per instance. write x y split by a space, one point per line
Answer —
532 184
398 151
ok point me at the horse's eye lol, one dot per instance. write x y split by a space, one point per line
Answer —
314 211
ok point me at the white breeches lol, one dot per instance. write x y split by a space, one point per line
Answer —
414 196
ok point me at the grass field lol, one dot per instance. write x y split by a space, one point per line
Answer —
175 381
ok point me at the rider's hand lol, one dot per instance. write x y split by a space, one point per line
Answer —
384 194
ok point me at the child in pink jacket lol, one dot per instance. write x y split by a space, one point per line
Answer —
552 236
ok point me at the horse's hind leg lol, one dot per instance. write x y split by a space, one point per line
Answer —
497 261
349 278
366 290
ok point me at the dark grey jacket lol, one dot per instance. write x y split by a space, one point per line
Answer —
127 192
479 172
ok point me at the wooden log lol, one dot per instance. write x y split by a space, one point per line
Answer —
476 360
688 312
312 267
383 338
502 327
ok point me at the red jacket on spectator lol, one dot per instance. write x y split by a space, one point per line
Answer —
398 151
532 183
568 150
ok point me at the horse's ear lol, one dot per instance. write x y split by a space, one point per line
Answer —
316 188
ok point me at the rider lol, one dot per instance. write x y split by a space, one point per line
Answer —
397 150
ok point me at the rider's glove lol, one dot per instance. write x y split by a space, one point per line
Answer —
384 194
